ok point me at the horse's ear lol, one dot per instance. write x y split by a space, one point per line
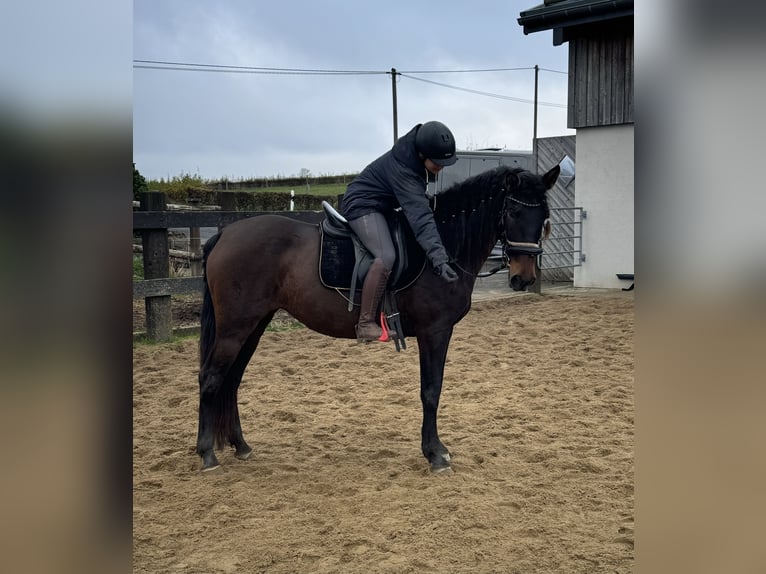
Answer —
513 181
549 179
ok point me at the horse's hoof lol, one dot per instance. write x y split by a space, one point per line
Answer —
209 461
244 455
441 465
441 469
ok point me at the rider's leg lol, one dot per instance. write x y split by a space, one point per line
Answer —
372 230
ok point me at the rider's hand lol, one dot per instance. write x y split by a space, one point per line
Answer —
446 272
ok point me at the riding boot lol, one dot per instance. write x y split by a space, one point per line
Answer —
372 291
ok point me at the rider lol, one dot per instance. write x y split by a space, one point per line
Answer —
398 178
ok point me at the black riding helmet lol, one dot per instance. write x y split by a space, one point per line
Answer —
435 141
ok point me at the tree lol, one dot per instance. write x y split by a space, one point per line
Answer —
306 174
139 184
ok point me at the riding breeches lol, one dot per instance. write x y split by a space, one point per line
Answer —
372 230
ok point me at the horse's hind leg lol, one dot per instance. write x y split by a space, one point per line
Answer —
212 402
241 449
216 400
219 381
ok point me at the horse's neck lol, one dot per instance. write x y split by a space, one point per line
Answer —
473 261
470 235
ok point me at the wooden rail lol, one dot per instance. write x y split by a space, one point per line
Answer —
153 221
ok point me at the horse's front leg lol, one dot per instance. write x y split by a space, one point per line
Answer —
433 353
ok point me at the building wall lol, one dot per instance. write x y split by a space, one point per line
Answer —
605 191
601 77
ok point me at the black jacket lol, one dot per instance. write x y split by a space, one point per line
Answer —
397 178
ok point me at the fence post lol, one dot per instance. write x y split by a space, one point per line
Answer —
159 325
195 249
195 245
228 202
536 287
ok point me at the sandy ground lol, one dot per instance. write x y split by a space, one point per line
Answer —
537 411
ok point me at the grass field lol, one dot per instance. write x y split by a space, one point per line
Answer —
177 188
316 189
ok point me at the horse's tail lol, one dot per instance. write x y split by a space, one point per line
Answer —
207 315
224 402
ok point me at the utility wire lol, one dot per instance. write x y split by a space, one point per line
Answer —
464 71
554 71
195 67
189 66
192 67
499 96
245 71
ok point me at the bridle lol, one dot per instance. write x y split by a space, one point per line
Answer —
511 248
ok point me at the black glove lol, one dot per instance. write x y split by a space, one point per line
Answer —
446 272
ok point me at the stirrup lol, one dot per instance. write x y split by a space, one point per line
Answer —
387 334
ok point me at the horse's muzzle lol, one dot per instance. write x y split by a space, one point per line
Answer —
518 283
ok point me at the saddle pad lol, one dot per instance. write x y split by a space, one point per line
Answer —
336 261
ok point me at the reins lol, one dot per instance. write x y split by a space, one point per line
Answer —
457 265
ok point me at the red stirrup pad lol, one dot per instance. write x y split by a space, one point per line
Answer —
384 336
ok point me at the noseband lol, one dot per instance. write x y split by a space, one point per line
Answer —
511 248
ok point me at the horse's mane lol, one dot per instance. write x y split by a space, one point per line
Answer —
467 213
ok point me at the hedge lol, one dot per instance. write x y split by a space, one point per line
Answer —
260 200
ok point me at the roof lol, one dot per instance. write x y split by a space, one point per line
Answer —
558 14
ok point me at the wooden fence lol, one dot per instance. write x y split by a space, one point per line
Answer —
152 221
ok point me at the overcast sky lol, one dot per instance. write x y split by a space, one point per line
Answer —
239 125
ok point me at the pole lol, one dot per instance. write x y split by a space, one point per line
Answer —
534 130
537 285
393 94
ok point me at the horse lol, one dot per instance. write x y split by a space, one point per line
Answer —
254 267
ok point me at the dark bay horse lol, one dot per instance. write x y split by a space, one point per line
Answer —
257 266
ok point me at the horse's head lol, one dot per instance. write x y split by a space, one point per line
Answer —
525 223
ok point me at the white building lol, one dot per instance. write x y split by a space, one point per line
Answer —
600 109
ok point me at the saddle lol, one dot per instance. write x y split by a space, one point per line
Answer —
344 262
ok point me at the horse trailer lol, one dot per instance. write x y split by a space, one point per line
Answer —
474 162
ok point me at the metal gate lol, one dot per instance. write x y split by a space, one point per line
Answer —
562 251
